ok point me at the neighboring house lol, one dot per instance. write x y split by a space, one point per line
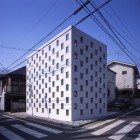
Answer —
67 78
111 85
13 91
125 78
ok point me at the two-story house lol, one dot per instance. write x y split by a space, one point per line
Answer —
125 78
13 91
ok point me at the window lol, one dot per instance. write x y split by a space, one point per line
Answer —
81 75
124 72
91 111
53 84
81 111
53 50
67 112
81 51
75 68
75 43
62 46
96 52
81 39
86 59
86 105
100 49
91 44
96 63
96 84
67 37
91 55
75 93
62 70
45 65
62 57
67 99
81 63
57 111
86 71
86 82
57 43
53 62
91 88
67 62
75 80
86 47
62 93
87 94
49 47
49 111
57 89
45 55
57 77
81 99
53 105
75 55
96 105
45 75
37 55
91 67
57 54
96 95
49 58
81 87
67 49
67 87
53 72
100 100
53 94
62 106
100 59
75 106
67 74
91 100
57 100
62 82
57 65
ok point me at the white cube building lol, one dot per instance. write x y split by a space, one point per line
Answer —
66 79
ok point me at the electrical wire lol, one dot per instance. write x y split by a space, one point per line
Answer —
58 36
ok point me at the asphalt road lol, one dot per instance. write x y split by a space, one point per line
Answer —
125 127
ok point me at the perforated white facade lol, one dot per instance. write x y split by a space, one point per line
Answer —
66 79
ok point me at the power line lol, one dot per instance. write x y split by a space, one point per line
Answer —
110 27
75 12
66 31
13 48
105 30
25 36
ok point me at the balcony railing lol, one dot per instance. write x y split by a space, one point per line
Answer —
20 89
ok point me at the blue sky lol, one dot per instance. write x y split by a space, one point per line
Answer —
25 22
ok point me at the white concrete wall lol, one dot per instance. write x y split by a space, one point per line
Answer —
125 81
87 105
111 85
36 107
35 104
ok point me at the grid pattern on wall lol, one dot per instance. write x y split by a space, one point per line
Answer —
67 78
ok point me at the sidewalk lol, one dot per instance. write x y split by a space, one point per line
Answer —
58 123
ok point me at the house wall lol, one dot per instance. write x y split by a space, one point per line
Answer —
124 81
111 86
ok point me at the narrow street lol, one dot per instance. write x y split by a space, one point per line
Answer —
124 127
